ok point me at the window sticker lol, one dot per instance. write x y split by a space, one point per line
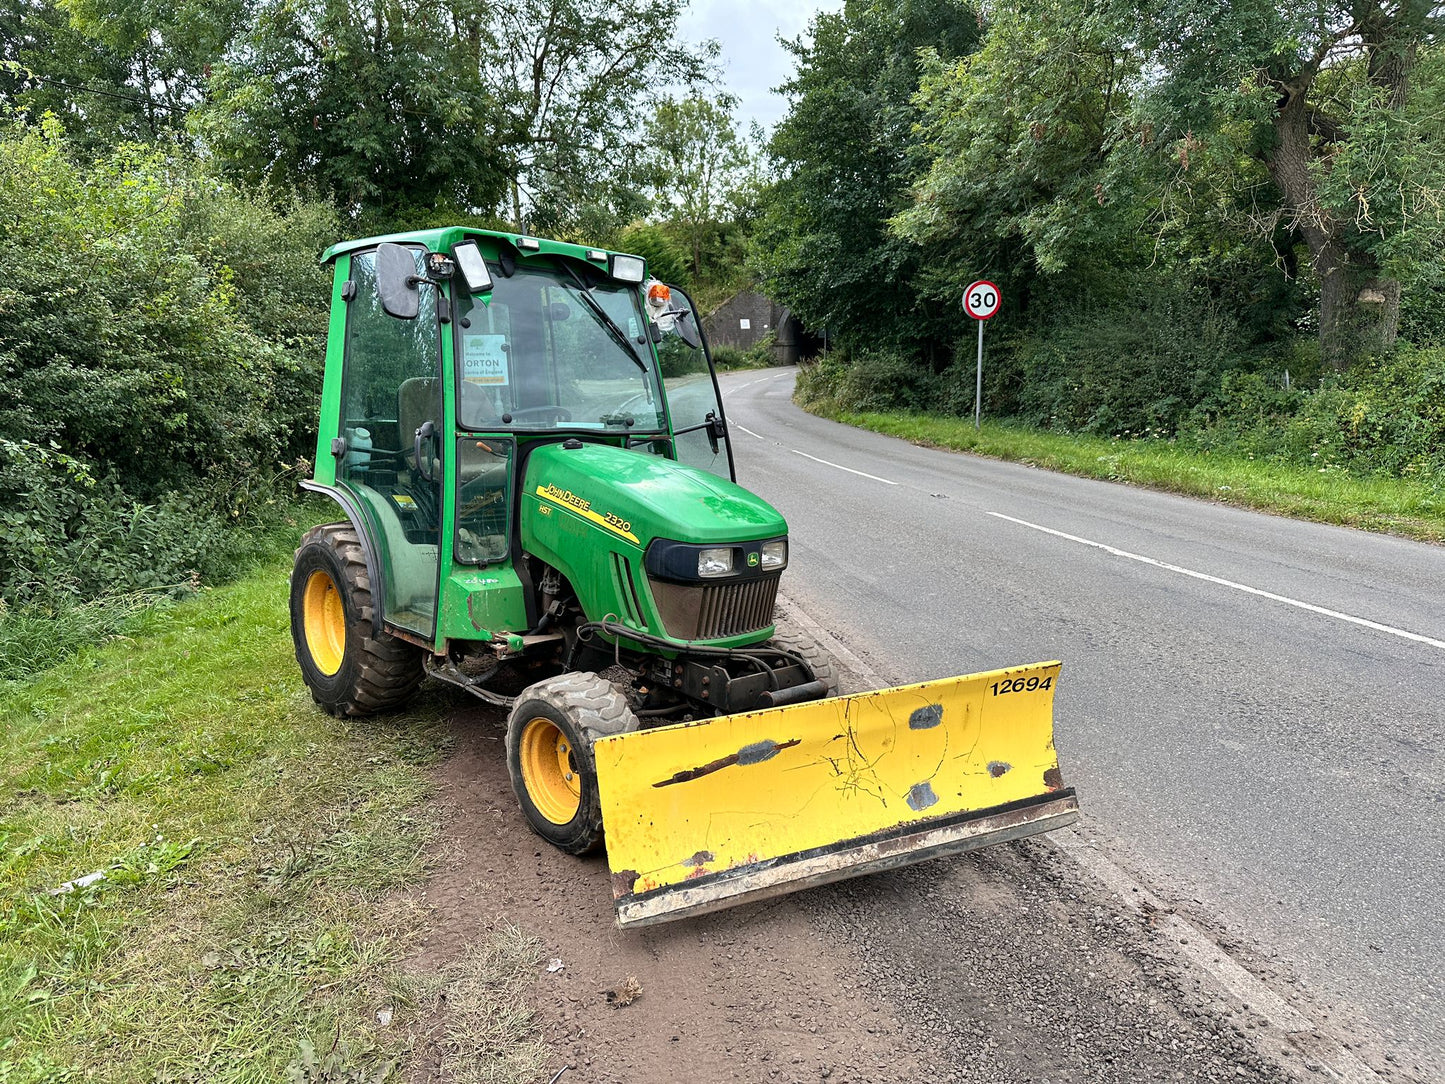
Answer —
484 359
632 327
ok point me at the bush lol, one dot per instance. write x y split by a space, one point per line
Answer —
158 324
1386 416
758 356
1177 370
1132 366
729 357
882 380
162 336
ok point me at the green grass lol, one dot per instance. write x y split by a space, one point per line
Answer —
1415 509
248 920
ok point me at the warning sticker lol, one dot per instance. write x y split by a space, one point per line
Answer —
484 359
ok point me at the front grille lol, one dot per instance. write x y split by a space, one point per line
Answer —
715 611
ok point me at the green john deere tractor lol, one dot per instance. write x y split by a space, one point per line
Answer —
529 447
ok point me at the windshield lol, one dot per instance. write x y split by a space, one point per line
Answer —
536 356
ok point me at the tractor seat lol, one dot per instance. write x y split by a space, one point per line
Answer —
418 401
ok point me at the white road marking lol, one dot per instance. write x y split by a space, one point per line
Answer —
749 432
840 466
1311 607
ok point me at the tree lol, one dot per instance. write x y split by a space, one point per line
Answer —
842 159
572 81
111 71
1320 93
378 107
667 259
523 108
1018 147
697 163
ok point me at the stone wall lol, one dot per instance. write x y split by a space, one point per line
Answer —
746 318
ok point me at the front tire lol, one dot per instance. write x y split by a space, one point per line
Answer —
549 755
790 637
349 669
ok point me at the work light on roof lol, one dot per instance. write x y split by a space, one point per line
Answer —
628 268
473 267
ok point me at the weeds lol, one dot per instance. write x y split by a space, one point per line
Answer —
58 617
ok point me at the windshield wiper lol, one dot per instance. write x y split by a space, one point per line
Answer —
595 307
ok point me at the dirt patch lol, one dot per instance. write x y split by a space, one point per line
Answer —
998 966
752 994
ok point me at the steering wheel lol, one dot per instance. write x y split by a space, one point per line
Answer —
553 410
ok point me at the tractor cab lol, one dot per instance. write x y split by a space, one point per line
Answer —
456 353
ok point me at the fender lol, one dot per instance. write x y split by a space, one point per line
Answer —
373 567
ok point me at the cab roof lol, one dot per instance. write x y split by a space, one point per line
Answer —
443 238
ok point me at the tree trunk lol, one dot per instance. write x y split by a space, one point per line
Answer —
1359 312
150 104
1359 307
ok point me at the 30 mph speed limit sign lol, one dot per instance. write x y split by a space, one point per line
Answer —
981 300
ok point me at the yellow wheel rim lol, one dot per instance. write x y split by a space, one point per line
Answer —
324 619
547 771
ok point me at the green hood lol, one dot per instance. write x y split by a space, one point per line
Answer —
636 497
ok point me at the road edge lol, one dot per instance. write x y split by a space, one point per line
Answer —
1282 1024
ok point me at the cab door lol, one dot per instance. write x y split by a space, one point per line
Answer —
391 417
699 427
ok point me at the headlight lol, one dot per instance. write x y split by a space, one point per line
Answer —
715 562
775 554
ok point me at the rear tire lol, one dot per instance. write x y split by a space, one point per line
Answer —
349 669
791 637
549 755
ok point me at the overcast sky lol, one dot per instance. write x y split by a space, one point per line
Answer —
752 60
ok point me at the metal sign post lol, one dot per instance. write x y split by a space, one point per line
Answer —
978 386
981 301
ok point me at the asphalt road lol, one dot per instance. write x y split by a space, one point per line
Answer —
1251 706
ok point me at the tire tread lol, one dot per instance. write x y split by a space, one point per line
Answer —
389 668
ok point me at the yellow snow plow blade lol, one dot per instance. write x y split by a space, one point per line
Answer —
701 816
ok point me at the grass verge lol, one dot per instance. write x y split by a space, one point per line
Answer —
1414 509
246 924
37 635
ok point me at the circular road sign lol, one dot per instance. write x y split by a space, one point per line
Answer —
982 299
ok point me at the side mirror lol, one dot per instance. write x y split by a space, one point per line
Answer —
396 281
687 330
